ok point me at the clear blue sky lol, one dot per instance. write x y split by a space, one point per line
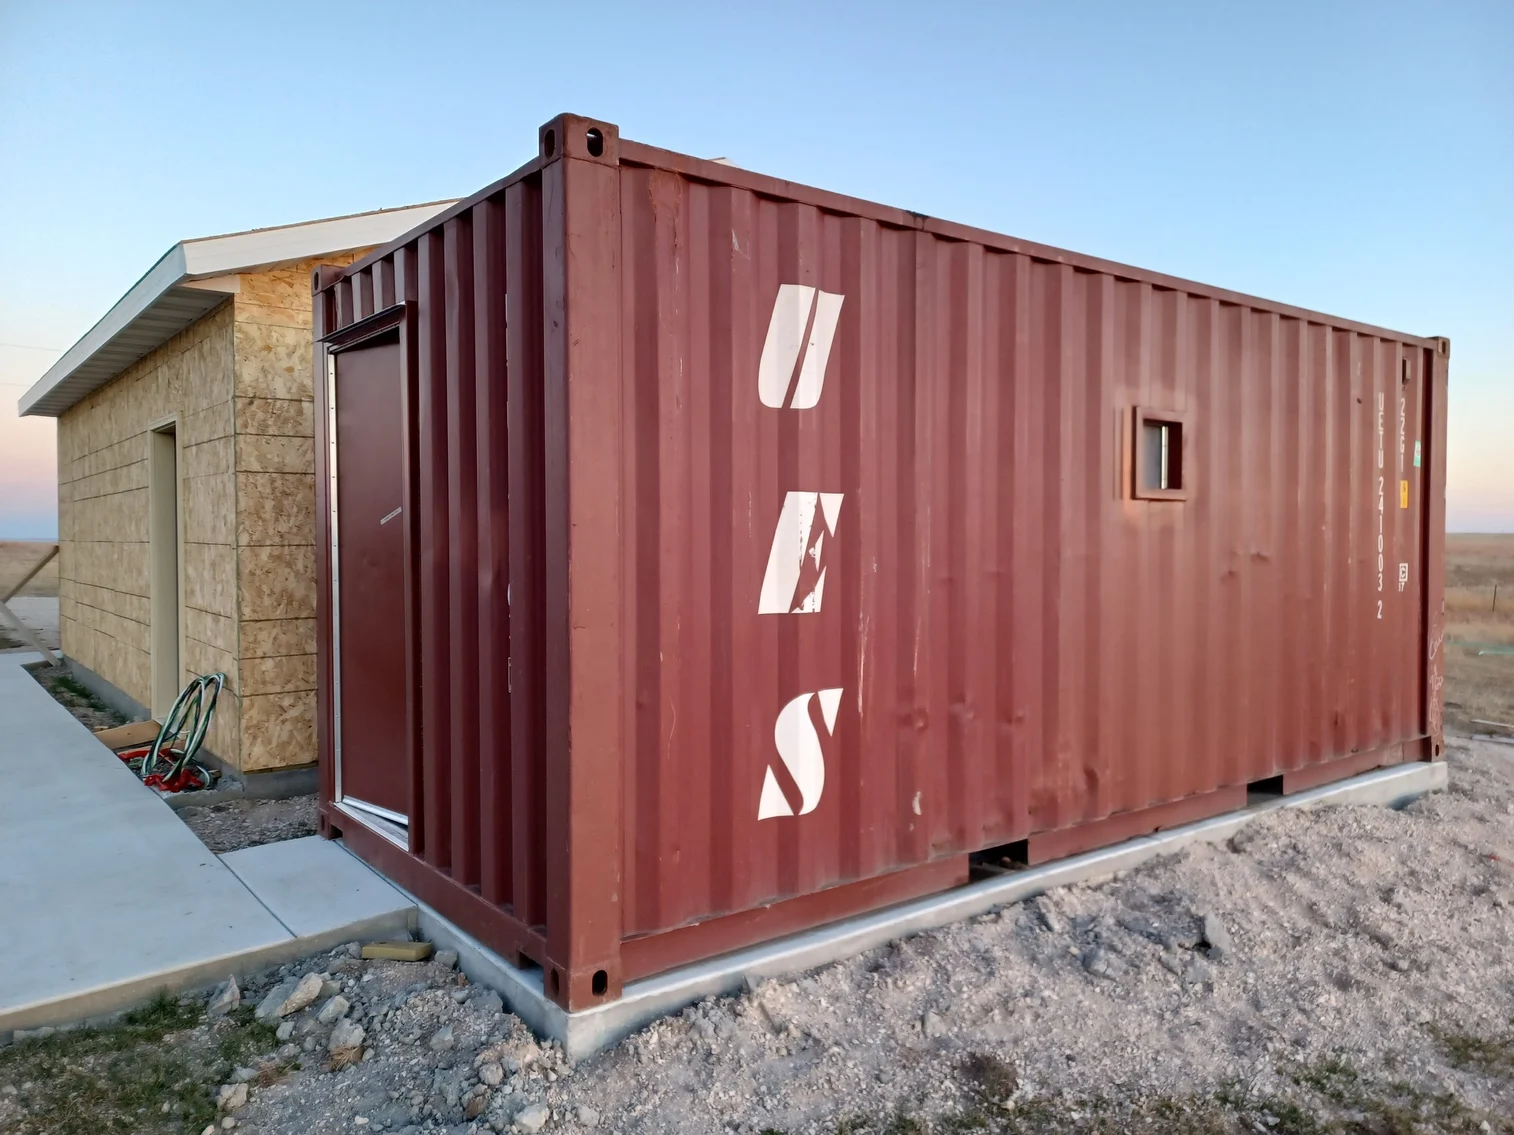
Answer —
1355 157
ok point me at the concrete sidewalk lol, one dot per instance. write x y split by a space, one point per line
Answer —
106 896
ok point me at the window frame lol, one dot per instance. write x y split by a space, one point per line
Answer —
1151 415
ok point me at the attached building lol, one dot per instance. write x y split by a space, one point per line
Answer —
186 490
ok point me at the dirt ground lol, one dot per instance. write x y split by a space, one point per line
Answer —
247 823
1335 970
17 557
1479 685
68 692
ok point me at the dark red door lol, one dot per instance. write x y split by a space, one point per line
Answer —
370 581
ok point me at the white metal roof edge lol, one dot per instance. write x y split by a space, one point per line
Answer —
205 258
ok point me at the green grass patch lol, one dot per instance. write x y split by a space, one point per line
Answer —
1490 1056
154 1073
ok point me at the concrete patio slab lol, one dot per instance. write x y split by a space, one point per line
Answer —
107 897
315 888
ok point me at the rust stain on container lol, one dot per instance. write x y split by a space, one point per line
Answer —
774 553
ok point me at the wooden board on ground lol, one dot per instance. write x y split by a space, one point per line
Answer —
128 735
398 951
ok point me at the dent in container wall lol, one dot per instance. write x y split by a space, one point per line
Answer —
802 548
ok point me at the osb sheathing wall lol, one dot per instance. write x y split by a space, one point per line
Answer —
103 592
239 381
275 477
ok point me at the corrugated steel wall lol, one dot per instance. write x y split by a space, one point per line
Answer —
867 545
1021 645
481 814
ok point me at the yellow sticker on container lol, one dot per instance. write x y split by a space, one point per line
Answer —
1403 494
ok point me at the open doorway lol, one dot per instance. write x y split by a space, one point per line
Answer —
163 565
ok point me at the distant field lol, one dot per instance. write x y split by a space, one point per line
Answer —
17 558
1479 685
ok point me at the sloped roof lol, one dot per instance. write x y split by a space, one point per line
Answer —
189 280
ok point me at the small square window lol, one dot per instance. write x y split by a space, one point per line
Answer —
1161 438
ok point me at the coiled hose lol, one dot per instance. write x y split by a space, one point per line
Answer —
168 763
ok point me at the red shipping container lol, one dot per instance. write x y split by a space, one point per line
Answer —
724 556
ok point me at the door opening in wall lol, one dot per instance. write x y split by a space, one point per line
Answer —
163 566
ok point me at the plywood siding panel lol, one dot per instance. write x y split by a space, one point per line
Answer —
275 508
272 361
265 638
284 417
210 508
219 631
277 582
202 658
263 454
207 424
210 578
225 737
278 730
123 603
278 674
206 458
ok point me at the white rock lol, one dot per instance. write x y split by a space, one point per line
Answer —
243 1075
304 994
229 997
1217 937
231 1097
228 1123
934 1025
491 1074
447 958
285 1030
442 1039
588 1116
336 1007
346 1035
533 1118
1049 917
289 996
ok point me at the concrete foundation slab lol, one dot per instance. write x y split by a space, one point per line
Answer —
586 1032
100 884
314 887
106 897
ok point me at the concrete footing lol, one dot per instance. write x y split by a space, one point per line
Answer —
588 1031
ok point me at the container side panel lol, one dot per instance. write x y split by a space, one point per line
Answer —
892 594
463 576
494 803
435 536
523 210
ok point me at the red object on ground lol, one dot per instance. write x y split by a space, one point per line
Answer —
768 552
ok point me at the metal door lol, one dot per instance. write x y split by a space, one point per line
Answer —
369 580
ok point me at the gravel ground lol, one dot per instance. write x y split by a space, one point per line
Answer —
87 709
1333 970
247 823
